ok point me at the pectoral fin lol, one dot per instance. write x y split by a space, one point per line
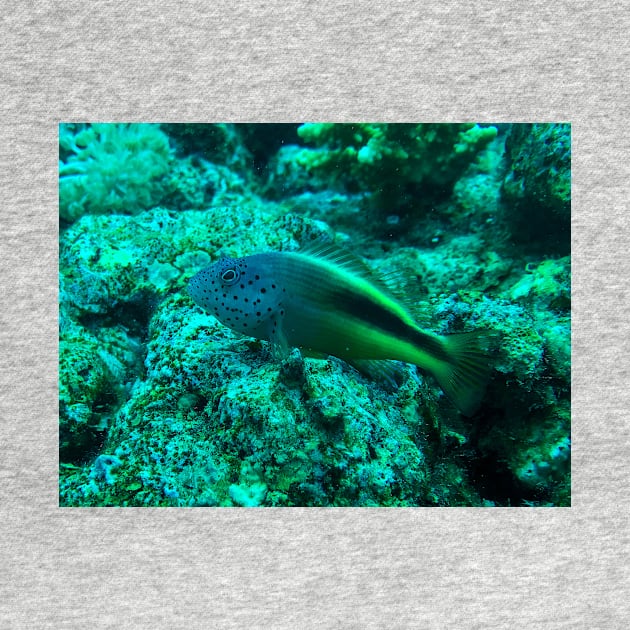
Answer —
279 345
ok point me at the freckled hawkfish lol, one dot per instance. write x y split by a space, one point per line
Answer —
326 301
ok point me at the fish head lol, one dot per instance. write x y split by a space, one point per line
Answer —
240 292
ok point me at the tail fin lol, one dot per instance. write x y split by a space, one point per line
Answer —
465 375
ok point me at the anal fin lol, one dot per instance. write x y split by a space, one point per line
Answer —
385 372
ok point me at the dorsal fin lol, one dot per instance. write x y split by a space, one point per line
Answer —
390 282
339 256
352 264
402 285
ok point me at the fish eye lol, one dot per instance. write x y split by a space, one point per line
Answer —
230 276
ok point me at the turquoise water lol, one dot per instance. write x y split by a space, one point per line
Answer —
163 405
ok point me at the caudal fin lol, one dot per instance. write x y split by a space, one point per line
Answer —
464 377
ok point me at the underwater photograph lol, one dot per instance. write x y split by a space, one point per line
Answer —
314 315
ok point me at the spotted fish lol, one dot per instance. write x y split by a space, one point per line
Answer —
326 301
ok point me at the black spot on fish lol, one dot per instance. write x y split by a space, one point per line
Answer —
263 290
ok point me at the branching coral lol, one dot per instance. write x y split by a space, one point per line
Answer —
394 162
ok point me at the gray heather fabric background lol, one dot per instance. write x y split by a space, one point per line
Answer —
314 568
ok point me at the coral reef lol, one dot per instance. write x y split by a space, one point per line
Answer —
161 405
537 185
106 168
413 165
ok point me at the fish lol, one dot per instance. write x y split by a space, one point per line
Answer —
326 301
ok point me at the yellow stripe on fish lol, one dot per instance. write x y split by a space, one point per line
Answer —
325 300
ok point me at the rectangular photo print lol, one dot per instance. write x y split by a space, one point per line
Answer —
314 314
